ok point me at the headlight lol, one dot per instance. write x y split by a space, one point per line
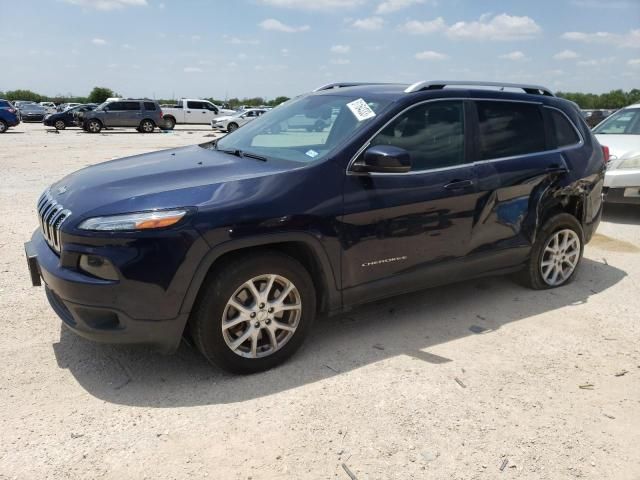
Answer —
134 221
630 162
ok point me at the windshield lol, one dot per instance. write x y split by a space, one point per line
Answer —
624 122
304 129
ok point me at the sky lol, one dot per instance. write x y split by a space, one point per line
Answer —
267 48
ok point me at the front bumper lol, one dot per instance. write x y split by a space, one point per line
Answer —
32 118
95 320
622 186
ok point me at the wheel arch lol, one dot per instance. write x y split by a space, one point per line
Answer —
302 247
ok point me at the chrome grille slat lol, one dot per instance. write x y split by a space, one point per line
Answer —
51 215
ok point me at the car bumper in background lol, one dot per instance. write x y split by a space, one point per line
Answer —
622 185
629 195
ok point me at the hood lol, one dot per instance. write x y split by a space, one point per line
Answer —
32 109
188 176
619 144
224 118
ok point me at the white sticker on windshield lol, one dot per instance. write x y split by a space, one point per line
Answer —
361 110
312 153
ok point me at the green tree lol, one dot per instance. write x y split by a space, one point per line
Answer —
277 101
23 95
100 94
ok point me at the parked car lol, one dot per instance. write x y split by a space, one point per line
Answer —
144 115
32 112
18 103
192 111
9 115
621 134
68 118
229 123
594 117
49 107
67 106
241 242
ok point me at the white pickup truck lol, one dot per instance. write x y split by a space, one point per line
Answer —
192 111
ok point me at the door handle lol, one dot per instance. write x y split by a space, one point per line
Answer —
459 184
188 111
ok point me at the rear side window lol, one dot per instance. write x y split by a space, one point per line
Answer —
4 104
508 129
564 131
432 133
131 106
196 105
149 106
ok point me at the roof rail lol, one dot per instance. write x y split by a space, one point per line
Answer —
440 84
330 86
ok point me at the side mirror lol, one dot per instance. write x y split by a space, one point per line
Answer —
384 159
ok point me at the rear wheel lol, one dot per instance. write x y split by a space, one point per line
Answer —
3 126
146 126
556 253
60 125
169 123
232 127
93 126
254 313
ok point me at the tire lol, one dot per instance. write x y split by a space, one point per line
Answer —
146 126
3 126
232 127
60 125
549 258
169 123
93 126
259 319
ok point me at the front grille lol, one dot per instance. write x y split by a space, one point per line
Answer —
51 215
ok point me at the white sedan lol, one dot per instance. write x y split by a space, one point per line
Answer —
229 123
621 134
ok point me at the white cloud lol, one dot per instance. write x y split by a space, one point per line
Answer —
239 41
565 55
313 4
126 46
515 56
370 23
341 49
416 27
278 26
596 62
99 41
634 62
341 61
499 27
195 38
108 4
285 52
430 55
602 4
631 39
192 69
390 6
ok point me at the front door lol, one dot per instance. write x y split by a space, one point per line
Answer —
409 230
197 113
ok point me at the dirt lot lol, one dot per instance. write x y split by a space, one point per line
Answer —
455 382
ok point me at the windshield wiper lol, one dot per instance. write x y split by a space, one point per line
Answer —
240 153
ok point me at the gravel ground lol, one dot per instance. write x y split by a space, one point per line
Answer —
483 379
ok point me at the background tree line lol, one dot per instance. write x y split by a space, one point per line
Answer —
100 94
610 100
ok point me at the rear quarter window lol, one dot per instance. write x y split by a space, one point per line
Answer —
149 106
4 104
565 133
508 129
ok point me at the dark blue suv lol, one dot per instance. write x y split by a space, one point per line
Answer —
240 243
9 115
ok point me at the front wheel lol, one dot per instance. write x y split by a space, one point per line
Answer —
232 127
3 126
60 125
93 126
555 254
254 313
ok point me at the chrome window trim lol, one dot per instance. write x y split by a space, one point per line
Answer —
478 162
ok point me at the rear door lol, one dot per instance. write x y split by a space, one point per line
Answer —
403 231
516 163
132 114
196 112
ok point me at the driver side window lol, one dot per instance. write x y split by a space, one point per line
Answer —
432 133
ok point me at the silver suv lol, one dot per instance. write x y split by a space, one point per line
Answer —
144 115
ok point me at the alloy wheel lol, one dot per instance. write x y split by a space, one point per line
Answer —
261 316
560 257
